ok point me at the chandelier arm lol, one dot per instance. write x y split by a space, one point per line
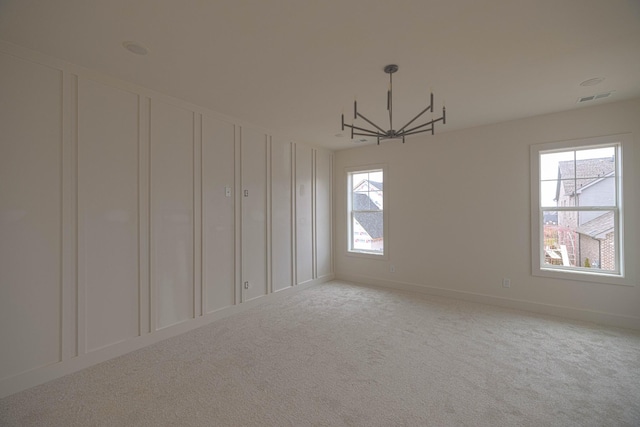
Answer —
394 136
432 122
417 127
372 132
372 124
417 131
369 132
375 135
416 117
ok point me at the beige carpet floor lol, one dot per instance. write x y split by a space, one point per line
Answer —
339 354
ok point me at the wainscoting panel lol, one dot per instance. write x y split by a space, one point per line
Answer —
281 230
254 203
123 219
30 215
323 216
108 212
304 220
172 213
218 222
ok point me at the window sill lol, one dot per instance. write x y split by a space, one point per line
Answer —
579 276
370 255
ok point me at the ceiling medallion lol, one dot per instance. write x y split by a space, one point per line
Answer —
379 133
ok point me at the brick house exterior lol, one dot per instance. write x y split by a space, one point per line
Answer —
587 235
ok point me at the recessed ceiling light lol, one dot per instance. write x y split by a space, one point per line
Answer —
592 82
135 47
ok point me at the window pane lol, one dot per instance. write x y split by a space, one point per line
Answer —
595 153
548 191
549 164
595 221
566 193
361 202
566 242
550 217
376 199
593 171
599 192
359 181
583 180
596 163
368 231
597 241
376 177
367 220
553 253
581 239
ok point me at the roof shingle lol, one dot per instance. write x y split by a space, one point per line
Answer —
588 170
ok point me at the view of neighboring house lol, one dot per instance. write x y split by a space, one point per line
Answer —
550 218
586 238
368 224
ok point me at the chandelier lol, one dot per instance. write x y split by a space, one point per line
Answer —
379 133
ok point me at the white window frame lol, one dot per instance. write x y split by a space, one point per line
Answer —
385 213
624 274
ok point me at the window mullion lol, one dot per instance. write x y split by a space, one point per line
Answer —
578 208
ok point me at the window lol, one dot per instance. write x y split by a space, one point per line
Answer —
365 206
577 215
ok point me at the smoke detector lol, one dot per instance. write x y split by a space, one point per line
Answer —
592 82
135 47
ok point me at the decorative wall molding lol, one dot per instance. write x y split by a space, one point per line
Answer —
24 380
144 214
198 301
70 323
75 348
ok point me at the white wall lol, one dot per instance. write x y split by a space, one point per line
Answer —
459 215
122 220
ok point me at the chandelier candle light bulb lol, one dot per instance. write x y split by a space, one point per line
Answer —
379 133
444 114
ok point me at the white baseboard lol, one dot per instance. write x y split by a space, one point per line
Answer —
608 319
40 375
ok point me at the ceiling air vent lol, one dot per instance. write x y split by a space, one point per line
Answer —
594 97
603 95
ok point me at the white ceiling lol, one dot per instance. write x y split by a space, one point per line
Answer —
291 66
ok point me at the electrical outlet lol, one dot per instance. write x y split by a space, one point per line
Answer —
506 283
392 268
246 285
